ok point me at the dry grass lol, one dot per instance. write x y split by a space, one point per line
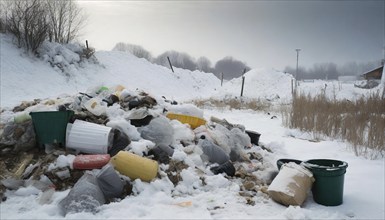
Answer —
362 122
234 103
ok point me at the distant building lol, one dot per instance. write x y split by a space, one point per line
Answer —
374 74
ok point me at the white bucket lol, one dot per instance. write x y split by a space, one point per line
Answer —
88 137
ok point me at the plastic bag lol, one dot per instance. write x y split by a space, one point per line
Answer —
227 168
85 196
291 185
158 131
214 153
162 153
110 182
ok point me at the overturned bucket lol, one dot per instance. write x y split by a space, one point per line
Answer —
89 137
329 176
50 126
254 137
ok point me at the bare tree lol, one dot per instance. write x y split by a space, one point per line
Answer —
204 64
65 19
230 67
3 15
27 22
178 59
135 50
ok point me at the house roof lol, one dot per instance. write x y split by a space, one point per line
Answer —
378 68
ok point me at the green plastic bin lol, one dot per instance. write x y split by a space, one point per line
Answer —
50 126
329 175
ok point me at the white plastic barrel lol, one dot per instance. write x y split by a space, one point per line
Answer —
88 137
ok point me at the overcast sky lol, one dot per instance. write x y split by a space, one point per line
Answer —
260 33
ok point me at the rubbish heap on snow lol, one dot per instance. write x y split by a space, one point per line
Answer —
96 143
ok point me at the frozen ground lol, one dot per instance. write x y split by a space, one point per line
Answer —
24 78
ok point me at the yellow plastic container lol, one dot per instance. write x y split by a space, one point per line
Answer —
135 166
193 121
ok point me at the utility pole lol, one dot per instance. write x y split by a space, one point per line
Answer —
296 71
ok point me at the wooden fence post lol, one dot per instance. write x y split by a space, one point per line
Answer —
221 79
243 81
169 62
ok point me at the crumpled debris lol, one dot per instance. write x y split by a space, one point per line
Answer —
133 117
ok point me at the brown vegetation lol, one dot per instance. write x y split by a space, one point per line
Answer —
360 122
234 103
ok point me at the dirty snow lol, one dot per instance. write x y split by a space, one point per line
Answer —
25 78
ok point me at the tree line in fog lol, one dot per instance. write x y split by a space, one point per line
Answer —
330 71
228 66
233 68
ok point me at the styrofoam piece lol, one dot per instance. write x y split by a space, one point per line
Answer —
95 106
89 137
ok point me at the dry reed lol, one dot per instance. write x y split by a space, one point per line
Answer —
360 122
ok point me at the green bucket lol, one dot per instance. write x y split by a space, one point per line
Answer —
329 176
50 126
282 161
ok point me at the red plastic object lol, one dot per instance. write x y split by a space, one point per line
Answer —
91 161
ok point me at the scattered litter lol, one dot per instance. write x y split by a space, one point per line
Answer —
134 166
184 204
91 161
89 137
226 167
85 196
110 182
158 131
108 137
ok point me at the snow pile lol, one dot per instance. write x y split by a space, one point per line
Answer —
266 84
24 78
67 58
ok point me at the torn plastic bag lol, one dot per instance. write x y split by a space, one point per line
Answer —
158 131
214 153
110 182
12 183
139 117
240 138
85 196
227 168
162 153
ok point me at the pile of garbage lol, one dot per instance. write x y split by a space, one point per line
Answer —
97 143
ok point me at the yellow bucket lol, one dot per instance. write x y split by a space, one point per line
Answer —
135 166
193 121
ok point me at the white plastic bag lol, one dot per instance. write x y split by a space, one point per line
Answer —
158 131
291 185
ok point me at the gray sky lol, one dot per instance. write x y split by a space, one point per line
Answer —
260 33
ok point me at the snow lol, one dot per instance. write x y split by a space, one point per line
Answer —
24 78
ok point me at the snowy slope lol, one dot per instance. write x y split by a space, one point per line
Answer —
26 78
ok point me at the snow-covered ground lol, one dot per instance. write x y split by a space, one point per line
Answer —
25 78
